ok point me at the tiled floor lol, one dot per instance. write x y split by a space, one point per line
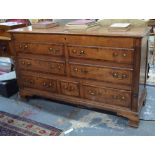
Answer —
80 121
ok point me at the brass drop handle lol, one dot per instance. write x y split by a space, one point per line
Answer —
82 52
91 92
122 97
119 76
74 51
20 46
51 84
69 88
44 84
115 75
54 51
48 85
115 54
116 97
25 46
124 54
59 67
75 69
28 63
23 62
124 76
50 49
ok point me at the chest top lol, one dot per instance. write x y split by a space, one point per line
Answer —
137 32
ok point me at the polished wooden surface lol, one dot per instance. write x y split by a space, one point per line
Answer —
96 30
123 55
101 70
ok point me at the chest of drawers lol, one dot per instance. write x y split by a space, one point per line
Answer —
101 70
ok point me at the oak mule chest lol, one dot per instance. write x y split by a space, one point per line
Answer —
95 68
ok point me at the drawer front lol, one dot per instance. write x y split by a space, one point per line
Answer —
108 95
113 75
28 81
42 66
40 48
38 83
119 55
47 84
70 88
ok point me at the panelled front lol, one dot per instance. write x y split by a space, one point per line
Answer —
42 65
113 50
38 83
50 49
108 95
120 55
70 88
50 83
65 56
101 73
